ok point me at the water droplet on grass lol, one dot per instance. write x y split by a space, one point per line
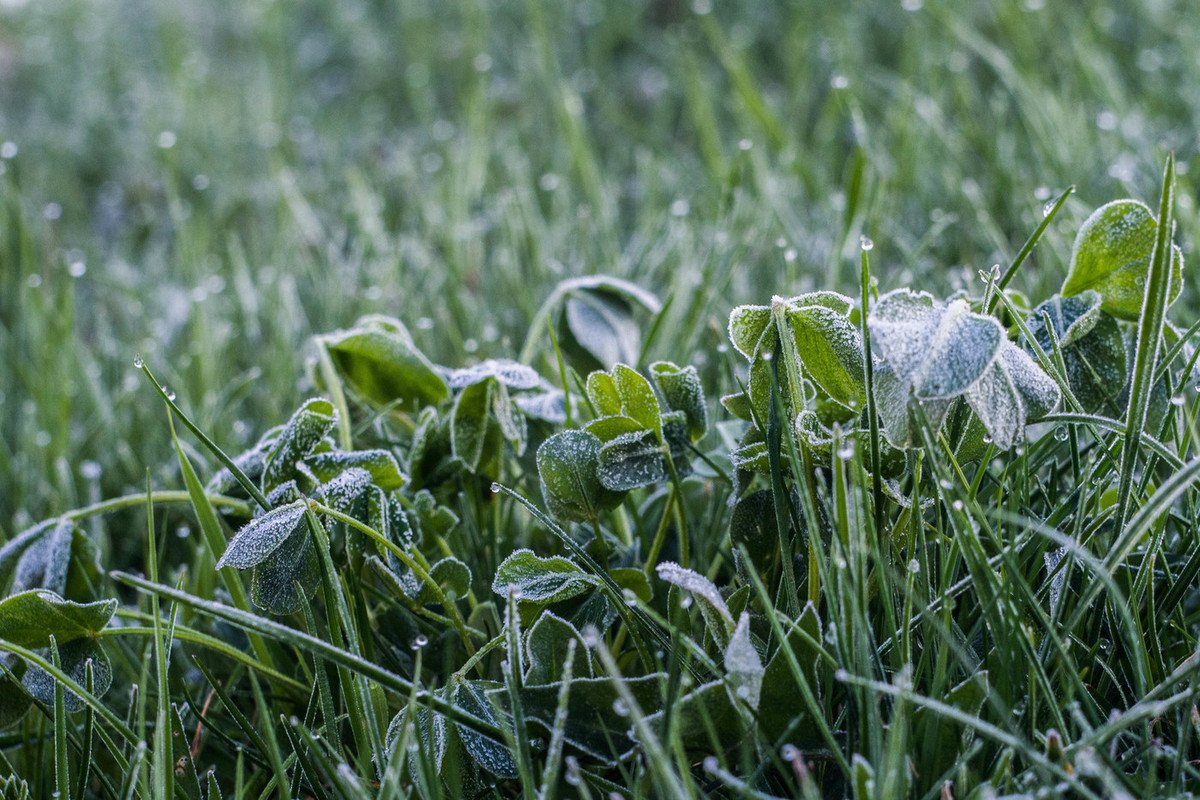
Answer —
866 244
137 361
495 488
711 764
420 641
1060 433
620 707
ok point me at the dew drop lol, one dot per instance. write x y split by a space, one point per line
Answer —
846 451
1060 433
495 488
866 244
137 361
1177 400
914 567
789 752
620 707
711 764
1047 208
420 641
958 505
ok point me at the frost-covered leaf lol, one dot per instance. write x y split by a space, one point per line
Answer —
12 550
1093 349
567 465
1112 256
14 705
489 754
311 423
510 419
382 465
512 374
541 580
262 536
751 330
743 665
831 350
891 399
1012 390
712 604
73 659
751 457
452 575
347 490
938 349
379 360
45 558
546 646
599 329
681 388
752 524
30 618
474 434
738 404
630 461
549 406
289 576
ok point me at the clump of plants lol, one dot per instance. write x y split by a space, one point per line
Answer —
926 546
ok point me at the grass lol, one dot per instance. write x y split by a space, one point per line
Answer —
212 186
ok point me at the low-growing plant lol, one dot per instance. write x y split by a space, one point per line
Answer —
935 546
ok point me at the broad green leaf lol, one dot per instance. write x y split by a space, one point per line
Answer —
1093 349
14 549
608 428
512 374
30 618
1012 390
937 349
546 646
637 397
751 457
567 465
311 423
549 406
474 435
452 575
707 708
510 419
598 722
632 579
541 580
681 388
379 360
942 738
287 578
1112 256
782 699
738 404
752 524
602 392
830 347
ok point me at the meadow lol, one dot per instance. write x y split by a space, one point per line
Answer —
632 398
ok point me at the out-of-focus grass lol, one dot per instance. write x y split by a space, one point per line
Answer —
209 183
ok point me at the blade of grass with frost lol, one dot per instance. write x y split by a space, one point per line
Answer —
554 751
303 761
62 770
163 763
869 384
214 539
512 669
270 740
290 636
1149 337
89 732
225 460
779 494
325 692
1050 211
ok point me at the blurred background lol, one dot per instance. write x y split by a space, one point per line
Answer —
210 183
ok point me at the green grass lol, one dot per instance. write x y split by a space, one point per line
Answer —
213 185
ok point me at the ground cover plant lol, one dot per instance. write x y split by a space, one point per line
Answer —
522 409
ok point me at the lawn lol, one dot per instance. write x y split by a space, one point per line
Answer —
567 399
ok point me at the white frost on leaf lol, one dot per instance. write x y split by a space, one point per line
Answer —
743 664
